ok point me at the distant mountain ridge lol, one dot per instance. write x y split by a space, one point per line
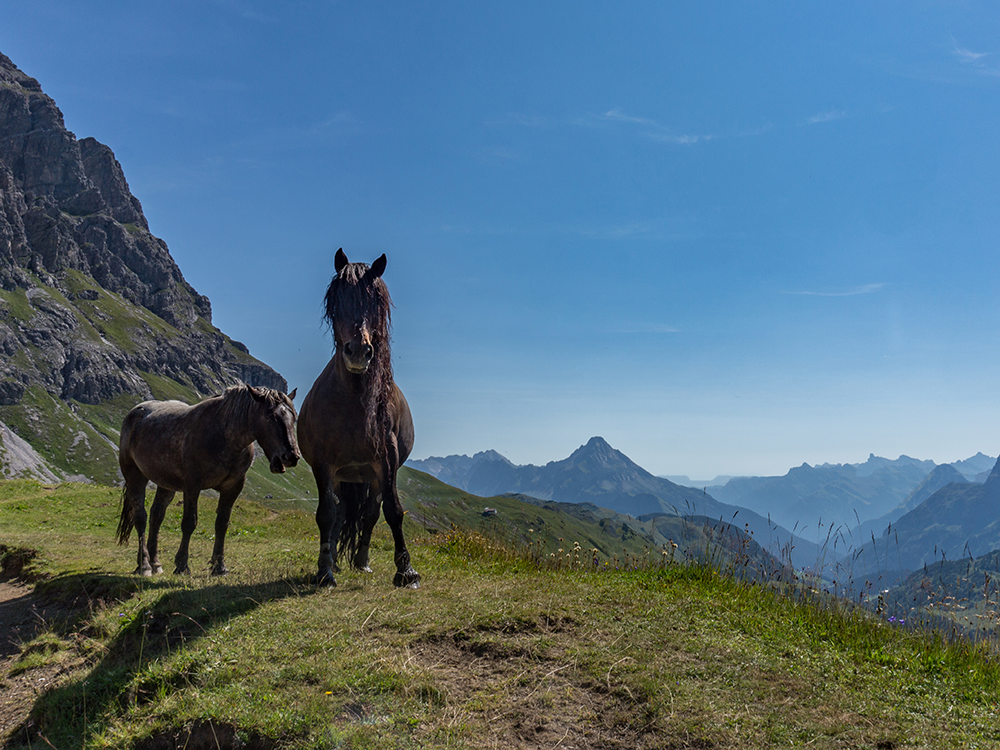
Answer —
598 474
957 521
838 495
95 315
941 476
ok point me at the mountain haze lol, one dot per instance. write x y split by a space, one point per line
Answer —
598 474
959 520
941 476
834 494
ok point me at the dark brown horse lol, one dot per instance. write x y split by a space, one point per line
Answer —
187 449
355 428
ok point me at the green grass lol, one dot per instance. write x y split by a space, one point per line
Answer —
16 304
168 389
499 647
62 436
115 318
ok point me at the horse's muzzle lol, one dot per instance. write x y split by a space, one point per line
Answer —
278 463
358 356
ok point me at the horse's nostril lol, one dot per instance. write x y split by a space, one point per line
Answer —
349 348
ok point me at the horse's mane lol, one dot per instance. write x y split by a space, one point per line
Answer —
352 297
237 401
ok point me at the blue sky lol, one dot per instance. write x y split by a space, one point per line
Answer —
727 237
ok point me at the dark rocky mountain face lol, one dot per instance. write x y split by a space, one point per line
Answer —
95 315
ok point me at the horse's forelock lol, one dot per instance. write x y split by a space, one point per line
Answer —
354 298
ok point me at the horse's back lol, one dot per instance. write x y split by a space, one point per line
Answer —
151 432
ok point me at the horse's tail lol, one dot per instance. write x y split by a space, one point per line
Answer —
354 497
125 523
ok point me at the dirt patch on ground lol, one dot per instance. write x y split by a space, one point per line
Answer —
523 698
21 619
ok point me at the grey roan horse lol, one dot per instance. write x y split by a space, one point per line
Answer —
187 449
355 428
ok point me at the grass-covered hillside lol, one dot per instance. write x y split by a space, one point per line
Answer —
79 357
508 642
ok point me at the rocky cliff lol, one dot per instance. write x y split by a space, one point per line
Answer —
95 315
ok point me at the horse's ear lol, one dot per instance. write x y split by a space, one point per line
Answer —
257 394
340 260
292 394
378 267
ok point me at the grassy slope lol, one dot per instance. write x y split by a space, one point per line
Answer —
82 439
492 651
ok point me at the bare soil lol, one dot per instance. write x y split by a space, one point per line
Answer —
514 697
21 619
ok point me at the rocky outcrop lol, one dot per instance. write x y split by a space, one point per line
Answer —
91 303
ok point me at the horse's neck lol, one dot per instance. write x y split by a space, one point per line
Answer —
237 425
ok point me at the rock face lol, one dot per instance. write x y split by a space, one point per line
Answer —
93 309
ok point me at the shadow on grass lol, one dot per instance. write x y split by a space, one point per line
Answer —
179 616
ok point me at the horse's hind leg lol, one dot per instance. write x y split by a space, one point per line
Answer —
134 503
161 500
370 510
189 523
329 519
222 514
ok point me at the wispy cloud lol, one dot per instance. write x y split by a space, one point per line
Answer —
978 61
852 292
968 56
619 116
654 130
828 116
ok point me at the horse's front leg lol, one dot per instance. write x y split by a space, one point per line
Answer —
189 523
227 498
329 519
162 499
405 574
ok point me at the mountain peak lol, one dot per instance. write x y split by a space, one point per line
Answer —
92 302
596 447
491 455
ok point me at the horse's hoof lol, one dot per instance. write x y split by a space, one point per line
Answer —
325 579
157 569
144 572
409 579
185 571
220 571
364 569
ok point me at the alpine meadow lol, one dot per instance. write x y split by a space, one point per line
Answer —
593 600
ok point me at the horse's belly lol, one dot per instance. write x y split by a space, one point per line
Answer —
356 473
